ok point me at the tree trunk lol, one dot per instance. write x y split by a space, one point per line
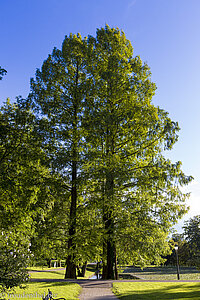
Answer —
110 248
71 264
83 269
109 225
104 270
70 261
116 271
49 263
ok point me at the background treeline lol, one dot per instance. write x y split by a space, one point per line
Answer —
188 244
83 174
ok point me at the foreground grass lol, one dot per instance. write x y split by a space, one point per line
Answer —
37 290
157 290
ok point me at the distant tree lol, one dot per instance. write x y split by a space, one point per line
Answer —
192 236
2 72
183 251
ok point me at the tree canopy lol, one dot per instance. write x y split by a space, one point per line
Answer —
110 141
83 172
2 72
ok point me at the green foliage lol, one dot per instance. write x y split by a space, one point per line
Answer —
14 258
26 187
86 177
2 72
192 236
58 93
136 186
24 179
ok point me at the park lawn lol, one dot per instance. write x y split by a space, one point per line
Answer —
47 274
37 290
164 273
157 290
58 273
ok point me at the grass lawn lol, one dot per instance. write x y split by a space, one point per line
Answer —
164 273
36 290
157 290
57 273
47 273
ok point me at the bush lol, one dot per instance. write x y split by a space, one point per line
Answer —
15 256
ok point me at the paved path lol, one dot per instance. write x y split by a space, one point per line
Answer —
96 290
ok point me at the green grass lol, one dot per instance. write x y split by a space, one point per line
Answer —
90 271
157 290
59 273
36 290
164 273
47 274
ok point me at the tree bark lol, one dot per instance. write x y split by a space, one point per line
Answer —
110 248
71 264
81 270
116 271
49 263
70 261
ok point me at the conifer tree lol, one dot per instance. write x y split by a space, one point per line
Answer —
107 141
138 187
58 93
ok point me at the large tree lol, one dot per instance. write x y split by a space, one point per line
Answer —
26 190
138 189
25 180
58 93
106 139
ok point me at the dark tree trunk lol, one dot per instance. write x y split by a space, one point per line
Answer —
59 263
84 269
70 261
81 270
49 263
110 248
104 270
109 224
116 271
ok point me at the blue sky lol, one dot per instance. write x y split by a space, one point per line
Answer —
165 33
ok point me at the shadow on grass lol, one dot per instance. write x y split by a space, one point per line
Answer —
53 284
172 292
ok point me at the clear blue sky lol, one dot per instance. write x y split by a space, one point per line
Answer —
165 33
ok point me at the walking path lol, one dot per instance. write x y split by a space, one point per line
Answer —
96 290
